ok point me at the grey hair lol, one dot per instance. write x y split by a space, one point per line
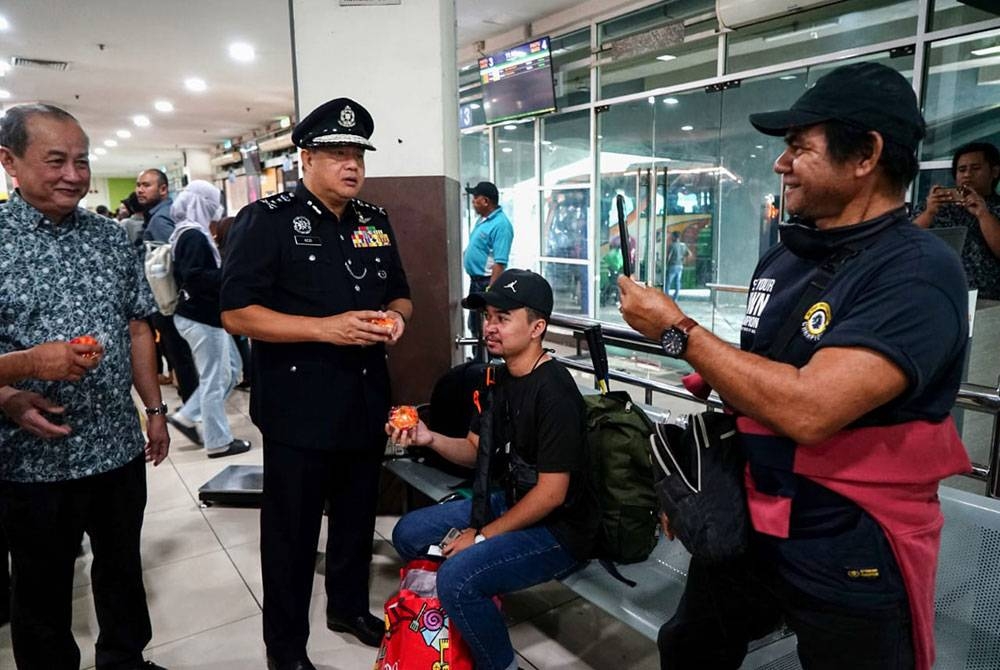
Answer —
14 124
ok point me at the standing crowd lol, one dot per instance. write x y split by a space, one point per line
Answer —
848 366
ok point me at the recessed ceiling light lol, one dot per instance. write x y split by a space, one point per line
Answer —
124 134
510 126
4 23
666 57
753 155
670 101
141 120
284 122
4 94
686 128
787 77
474 105
163 106
986 52
651 100
758 146
110 143
100 151
195 84
506 150
241 51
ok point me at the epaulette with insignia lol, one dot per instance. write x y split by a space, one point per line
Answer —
277 201
367 205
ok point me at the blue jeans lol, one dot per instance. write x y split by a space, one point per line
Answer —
467 582
674 273
218 363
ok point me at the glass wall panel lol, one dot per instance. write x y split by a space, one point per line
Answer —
823 30
952 13
564 245
962 93
474 167
565 150
514 155
571 62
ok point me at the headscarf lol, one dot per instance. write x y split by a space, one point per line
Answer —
194 209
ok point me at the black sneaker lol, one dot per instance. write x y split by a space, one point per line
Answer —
190 432
233 448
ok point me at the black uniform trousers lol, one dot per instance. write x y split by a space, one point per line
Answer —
726 606
297 485
178 354
45 523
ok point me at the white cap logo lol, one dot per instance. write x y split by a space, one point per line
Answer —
511 286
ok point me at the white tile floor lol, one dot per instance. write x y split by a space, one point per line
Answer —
202 575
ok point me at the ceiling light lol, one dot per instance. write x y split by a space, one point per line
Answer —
110 143
163 106
4 94
100 151
124 134
666 57
474 105
686 128
284 122
753 155
787 77
241 51
92 157
141 120
651 100
4 24
506 150
986 52
670 101
195 84
758 146
4 67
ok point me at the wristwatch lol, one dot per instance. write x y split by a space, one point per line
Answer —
153 411
674 339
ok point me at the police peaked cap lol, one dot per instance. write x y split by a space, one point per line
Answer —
337 122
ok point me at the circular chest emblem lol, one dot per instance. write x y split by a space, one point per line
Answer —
816 321
302 225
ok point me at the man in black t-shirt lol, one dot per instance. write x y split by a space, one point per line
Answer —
544 523
849 362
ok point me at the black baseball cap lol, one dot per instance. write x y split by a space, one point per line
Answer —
868 96
512 290
485 188
337 122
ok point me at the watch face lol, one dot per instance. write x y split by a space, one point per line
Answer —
674 342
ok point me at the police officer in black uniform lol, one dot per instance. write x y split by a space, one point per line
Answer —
306 272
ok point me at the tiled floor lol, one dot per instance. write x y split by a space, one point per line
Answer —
202 575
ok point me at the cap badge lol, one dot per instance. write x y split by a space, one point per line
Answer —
511 286
347 117
302 225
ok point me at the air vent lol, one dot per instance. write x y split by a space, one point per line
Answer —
58 65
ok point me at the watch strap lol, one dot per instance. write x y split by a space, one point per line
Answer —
686 325
160 409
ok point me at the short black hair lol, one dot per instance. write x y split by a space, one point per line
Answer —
535 315
989 152
161 176
844 142
14 124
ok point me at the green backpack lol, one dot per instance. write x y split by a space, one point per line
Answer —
618 434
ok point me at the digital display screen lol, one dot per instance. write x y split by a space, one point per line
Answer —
518 82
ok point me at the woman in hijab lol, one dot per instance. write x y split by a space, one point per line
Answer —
197 269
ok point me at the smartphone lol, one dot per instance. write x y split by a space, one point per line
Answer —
450 537
623 237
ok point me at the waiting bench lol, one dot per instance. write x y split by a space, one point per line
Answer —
967 627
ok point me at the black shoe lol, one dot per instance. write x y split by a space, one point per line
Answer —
298 664
367 628
190 432
233 448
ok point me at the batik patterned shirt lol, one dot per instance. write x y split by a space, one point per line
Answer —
982 267
58 281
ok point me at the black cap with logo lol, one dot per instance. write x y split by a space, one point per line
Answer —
868 96
484 188
512 290
337 122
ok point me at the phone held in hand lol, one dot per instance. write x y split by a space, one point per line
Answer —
623 236
450 537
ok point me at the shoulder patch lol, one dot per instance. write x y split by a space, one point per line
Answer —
361 205
276 201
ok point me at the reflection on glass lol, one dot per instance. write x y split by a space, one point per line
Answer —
474 167
569 286
571 62
564 229
952 13
823 30
565 149
962 93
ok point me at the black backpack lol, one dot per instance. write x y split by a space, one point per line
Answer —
618 433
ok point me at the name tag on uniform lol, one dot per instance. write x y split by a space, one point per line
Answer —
308 241
369 236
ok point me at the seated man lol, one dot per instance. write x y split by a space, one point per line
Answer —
545 520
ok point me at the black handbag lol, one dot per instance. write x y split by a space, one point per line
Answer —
699 485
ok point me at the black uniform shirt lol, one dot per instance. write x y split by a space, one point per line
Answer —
289 253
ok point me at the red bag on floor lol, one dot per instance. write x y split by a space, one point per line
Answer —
417 631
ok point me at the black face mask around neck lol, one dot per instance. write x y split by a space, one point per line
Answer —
805 240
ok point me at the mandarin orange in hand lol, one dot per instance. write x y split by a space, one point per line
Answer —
403 417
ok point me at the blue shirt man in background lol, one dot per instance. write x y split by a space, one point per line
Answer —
488 253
